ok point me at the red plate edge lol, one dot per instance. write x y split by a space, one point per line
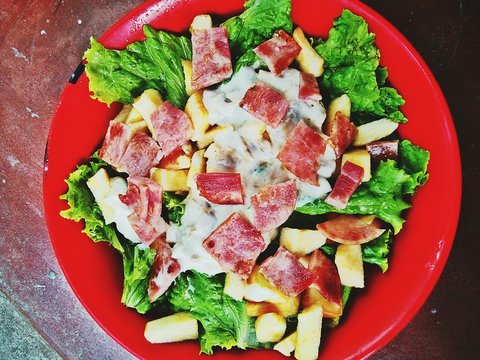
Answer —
454 173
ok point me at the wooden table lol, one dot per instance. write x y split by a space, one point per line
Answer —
42 41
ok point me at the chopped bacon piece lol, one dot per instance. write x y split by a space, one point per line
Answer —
115 143
308 87
328 280
171 127
164 269
342 132
347 182
383 150
144 197
278 52
221 188
142 153
273 205
236 245
349 229
265 104
301 152
211 60
284 271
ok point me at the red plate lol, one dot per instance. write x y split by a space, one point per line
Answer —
387 304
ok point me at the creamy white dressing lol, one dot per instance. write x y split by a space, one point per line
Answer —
244 149
114 211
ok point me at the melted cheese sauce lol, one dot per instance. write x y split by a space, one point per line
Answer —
243 148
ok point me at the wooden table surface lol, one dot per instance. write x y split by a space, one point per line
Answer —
42 41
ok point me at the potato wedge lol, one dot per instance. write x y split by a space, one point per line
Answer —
139 126
146 104
123 114
259 289
340 104
187 73
309 332
311 297
286 308
199 116
287 344
270 327
374 131
348 259
308 60
170 180
99 184
133 117
301 241
197 167
177 327
201 22
234 286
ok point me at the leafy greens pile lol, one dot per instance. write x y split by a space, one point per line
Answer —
351 67
224 320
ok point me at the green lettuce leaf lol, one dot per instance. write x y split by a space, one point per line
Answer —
82 205
349 43
122 75
137 263
352 67
414 161
224 320
381 196
376 251
255 25
359 82
173 207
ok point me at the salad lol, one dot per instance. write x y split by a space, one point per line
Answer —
250 176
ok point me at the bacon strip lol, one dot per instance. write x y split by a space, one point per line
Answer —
383 150
265 104
350 230
171 127
328 280
285 272
144 197
342 132
165 269
142 153
211 60
236 245
220 188
301 152
308 87
116 142
273 205
347 182
278 52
